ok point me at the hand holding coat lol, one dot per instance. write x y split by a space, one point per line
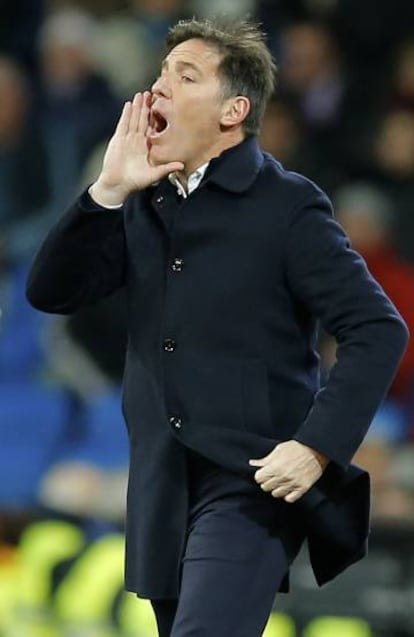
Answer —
290 470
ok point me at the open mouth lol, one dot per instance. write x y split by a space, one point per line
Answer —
158 124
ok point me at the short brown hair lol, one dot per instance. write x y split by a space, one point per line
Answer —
247 67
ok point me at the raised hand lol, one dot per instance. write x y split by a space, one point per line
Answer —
125 166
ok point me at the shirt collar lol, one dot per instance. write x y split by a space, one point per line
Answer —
234 170
192 183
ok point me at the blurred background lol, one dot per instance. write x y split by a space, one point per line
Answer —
343 115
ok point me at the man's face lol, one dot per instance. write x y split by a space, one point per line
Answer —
187 106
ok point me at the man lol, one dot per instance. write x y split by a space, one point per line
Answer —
229 261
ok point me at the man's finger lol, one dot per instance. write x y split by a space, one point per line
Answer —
162 171
281 491
135 112
144 115
123 122
269 485
269 472
257 462
262 474
293 496
272 482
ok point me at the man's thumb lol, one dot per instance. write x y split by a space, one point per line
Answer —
166 169
257 462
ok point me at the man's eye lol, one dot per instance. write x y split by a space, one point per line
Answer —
187 78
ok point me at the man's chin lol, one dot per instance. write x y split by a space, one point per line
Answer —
158 156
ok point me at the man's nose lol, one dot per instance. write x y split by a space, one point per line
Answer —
160 88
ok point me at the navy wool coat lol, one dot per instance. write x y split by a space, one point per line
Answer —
226 290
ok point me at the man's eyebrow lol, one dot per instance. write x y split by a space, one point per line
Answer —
181 64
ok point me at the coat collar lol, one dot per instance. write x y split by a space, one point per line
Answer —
234 170
237 167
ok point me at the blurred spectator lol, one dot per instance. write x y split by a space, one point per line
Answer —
19 25
33 410
77 104
369 30
393 169
311 71
276 15
282 136
367 216
130 45
312 78
278 12
78 430
398 496
158 16
402 90
24 187
88 474
25 401
97 7
231 8
281 133
395 146
85 490
124 54
390 462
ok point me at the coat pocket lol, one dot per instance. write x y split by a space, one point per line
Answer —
255 398
209 392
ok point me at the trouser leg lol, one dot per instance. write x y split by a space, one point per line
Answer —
234 559
225 597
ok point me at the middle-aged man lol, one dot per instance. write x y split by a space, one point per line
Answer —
230 261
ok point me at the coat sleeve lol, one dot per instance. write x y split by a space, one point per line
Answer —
333 282
81 260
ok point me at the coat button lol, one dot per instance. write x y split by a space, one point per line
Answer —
159 199
169 344
176 422
177 265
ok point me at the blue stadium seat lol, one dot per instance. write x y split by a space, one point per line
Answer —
104 442
21 328
32 424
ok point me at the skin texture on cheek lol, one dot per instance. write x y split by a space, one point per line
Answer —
193 130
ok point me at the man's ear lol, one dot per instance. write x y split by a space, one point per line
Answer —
235 110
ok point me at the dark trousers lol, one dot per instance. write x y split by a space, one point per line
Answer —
234 558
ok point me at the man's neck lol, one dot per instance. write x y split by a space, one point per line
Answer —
224 143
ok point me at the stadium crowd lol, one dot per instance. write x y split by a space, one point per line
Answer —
343 115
